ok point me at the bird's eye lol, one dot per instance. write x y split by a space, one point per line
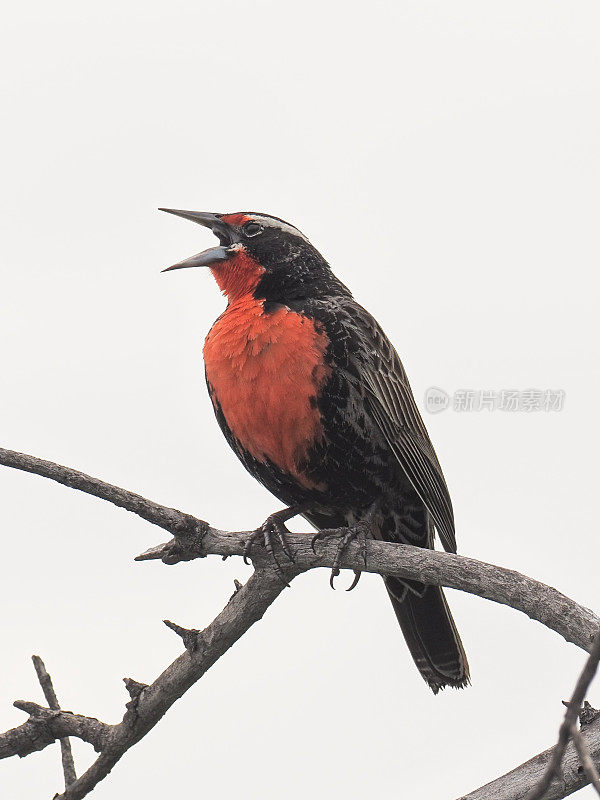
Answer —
252 228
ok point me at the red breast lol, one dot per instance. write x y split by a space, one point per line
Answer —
265 371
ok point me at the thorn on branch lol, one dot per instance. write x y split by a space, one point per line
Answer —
152 553
189 636
185 546
41 718
135 688
35 711
237 586
588 714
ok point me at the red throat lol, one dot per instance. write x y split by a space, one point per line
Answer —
238 276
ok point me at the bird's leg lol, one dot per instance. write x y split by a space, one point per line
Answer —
274 527
360 531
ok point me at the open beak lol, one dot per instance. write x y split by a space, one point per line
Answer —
214 254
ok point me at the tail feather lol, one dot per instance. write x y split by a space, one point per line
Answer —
430 633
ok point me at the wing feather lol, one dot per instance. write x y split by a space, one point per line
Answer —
392 406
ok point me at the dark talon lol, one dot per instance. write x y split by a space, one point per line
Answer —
360 532
248 546
357 575
266 529
334 573
274 525
283 541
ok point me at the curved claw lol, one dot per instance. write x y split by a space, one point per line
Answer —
291 556
334 573
265 532
313 540
357 575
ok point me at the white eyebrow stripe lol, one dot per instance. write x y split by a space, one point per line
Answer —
269 222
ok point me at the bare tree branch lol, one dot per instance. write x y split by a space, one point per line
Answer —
65 745
556 611
194 538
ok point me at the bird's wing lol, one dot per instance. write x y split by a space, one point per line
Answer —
390 401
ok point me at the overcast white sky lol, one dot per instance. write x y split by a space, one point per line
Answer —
444 158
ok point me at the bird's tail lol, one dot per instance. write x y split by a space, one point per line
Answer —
430 633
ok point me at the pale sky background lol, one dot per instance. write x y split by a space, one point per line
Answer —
444 158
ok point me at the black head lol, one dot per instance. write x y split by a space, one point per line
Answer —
261 254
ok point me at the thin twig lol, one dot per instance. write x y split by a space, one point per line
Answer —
65 745
569 722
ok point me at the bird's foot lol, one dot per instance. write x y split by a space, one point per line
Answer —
360 532
273 529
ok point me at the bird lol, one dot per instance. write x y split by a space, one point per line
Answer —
312 397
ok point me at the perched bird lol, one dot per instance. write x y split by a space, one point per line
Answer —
314 400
